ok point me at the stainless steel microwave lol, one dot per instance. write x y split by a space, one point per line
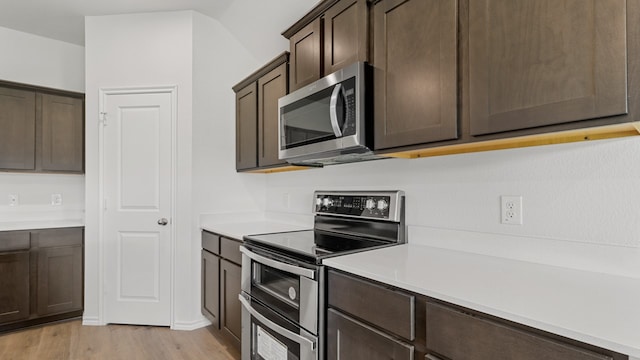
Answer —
326 122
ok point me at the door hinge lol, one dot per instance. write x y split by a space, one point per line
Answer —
103 118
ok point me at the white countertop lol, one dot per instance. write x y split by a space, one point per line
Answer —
237 230
39 224
599 309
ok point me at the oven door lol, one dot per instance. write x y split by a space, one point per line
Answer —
268 336
287 288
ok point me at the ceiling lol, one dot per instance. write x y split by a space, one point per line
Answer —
64 19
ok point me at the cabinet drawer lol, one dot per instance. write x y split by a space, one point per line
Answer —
211 242
388 309
58 237
457 335
348 338
14 240
230 250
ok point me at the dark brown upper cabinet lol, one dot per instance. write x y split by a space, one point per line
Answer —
414 72
345 34
257 115
246 127
331 36
17 129
306 52
42 129
544 62
62 133
271 87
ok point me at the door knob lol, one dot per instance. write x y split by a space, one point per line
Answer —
163 221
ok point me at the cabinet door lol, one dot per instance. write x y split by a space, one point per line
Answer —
230 307
345 34
460 336
17 129
415 51
59 279
348 339
544 62
271 87
62 133
14 286
246 127
211 287
306 52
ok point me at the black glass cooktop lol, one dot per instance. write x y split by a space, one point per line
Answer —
313 243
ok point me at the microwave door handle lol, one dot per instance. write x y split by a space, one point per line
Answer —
275 327
333 110
296 270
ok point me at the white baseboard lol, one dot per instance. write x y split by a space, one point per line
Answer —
91 321
190 325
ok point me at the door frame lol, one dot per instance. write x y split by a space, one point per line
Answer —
103 117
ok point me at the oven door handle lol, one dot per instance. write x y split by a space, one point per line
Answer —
297 270
275 327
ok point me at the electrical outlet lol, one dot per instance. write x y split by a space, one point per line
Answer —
285 200
56 199
14 200
511 210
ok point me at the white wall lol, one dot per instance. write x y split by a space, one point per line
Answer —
576 194
35 60
219 62
199 55
131 51
34 192
257 24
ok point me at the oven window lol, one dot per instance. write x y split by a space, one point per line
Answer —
282 287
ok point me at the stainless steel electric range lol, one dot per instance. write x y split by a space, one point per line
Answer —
283 279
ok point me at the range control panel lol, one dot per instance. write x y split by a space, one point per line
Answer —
378 205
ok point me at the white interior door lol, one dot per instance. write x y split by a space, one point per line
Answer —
137 211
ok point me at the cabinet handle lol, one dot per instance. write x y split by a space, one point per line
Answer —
297 270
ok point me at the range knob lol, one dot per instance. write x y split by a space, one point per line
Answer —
382 205
370 204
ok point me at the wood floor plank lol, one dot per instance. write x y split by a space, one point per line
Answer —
70 340
54 342
23 347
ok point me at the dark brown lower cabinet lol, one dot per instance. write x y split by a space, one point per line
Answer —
14 286
353 340
442 331
457 335
41 276
59 279
210 287
231 311
221 281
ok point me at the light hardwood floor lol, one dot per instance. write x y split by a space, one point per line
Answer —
71 340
